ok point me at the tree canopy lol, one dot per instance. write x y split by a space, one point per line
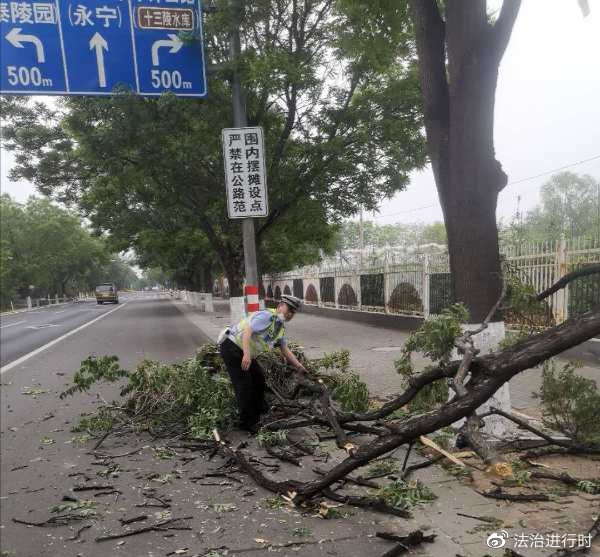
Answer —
380 235
340 108
45 250
569 206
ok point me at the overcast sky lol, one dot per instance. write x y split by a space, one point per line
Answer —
547 108
547 111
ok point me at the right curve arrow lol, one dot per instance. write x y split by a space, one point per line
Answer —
174 42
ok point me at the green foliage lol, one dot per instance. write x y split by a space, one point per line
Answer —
179 394
589 486
444 437
570 403
275 502
397 235
514 337
338 100
521 306
163 453
387 466
94 370
84 508
400 414
81 439
519 295
522 477
338 361
195 397
224 507
520 472
271 438
186 397
569 207
345 386
98 423
278 372
45 249
405 495
33 391
435 340
460 472
350 392
430 397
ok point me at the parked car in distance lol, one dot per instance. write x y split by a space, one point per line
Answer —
107 292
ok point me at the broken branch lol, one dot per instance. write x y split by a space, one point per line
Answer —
158 527
517 497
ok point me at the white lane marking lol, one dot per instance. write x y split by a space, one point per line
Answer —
13 324
61 311
56 341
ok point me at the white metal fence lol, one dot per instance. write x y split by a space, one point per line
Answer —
419 284
19 304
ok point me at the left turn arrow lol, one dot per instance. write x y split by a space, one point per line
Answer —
15 38
98 43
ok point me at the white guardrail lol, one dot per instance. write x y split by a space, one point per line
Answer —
201 300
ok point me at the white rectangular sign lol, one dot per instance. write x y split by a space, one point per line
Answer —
245 172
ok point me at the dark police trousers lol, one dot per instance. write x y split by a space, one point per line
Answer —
249 385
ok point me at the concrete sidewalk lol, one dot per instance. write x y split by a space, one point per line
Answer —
373 350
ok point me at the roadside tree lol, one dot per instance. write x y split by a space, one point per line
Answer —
342 129
47 248
570 206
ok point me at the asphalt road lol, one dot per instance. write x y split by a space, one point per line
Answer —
23 332
43 460
34 475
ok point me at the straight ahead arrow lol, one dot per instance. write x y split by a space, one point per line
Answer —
98 42
15 38
174 43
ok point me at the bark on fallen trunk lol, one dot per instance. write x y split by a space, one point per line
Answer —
489 373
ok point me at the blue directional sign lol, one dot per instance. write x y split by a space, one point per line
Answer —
89 47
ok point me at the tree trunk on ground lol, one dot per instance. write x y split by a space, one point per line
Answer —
459 120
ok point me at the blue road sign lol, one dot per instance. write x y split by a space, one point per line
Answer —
89 47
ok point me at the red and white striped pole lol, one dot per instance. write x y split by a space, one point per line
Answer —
252 304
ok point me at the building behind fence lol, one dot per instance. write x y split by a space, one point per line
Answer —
419 284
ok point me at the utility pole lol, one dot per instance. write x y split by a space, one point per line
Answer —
240 121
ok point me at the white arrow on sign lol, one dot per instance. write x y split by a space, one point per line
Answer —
15 38
98 42
174 42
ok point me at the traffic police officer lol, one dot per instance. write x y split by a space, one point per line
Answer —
241 344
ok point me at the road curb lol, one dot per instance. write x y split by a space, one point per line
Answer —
209 329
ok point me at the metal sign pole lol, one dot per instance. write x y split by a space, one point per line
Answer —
239 121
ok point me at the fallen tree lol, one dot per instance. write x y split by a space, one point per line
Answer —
194 399
488 374
309 402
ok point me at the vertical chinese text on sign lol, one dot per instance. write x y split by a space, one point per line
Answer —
245 174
